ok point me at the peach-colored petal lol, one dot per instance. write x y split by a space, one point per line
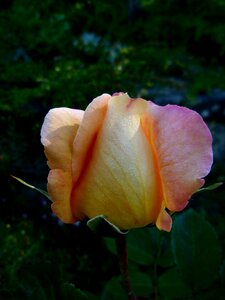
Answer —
86 135
57 134
59 189
182 143
164 220
120 180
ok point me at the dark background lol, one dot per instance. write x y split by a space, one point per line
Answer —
65 53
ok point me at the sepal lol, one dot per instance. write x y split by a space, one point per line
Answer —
32 187
102 226
210 187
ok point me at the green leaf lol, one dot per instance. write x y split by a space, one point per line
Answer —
141 246
146 246
172 286
150 245
210 187
164 255
101 225
113 290
69 291
111 245
32 187
141 283
196 249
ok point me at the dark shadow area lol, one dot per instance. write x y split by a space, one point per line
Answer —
65 53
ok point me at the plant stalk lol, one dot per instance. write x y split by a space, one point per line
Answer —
123 263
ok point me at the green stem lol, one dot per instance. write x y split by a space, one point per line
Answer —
123 263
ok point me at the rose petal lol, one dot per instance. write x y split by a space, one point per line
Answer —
182 143
59 188
86 135
120 181
57 134
164 221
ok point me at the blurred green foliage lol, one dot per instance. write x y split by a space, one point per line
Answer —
65 53
183 265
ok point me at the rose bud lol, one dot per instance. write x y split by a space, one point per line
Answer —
127 159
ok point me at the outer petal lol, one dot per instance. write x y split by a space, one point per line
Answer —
120 181
59 189
57 135
183 145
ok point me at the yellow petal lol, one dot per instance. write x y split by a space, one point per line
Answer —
120 180
92 121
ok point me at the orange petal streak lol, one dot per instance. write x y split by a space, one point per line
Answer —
84 144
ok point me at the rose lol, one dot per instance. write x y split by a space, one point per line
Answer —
127 159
